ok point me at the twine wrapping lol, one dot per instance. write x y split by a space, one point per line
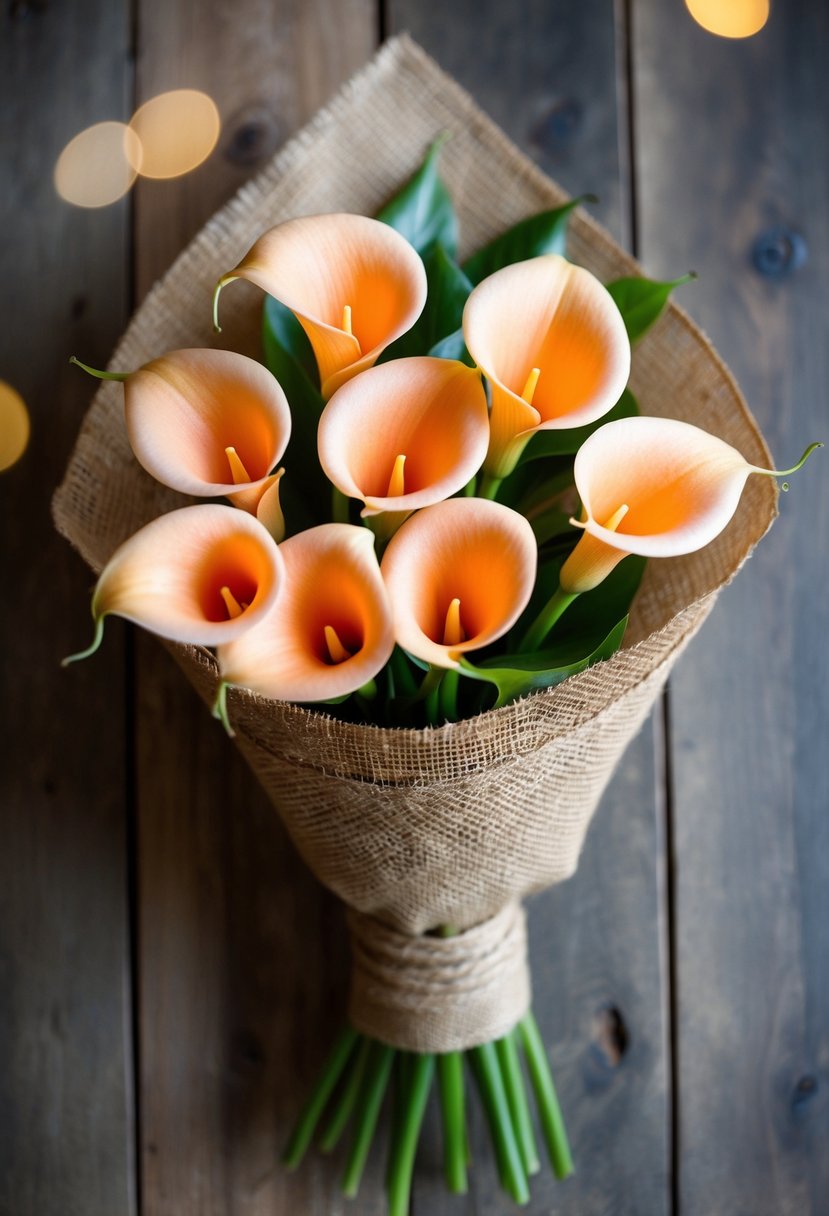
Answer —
439 994
419 828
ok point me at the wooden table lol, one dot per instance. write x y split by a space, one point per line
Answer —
169 973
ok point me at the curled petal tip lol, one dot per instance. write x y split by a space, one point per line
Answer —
92 648
217 290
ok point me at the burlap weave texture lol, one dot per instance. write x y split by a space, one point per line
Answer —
420 828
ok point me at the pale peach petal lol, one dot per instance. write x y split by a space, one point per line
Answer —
468 549
432 413
332 580
269 508
169 576
549 315
321 265
186 409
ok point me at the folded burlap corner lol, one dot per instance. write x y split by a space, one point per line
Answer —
420 828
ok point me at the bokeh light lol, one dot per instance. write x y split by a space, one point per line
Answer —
176 132
730 18
99 165
14 426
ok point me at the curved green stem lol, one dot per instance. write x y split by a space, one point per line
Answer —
558 602
400 1177
340 506
347 1100
318 1099
549 1111
510 1166
93 646
517 1099
372 1091
217 290
99 375
219 709
794 469
452 1105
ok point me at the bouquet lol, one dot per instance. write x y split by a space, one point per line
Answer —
422 623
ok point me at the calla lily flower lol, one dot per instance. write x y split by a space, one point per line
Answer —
206 422
331 631
354 284
553 345
202 575
405 435
653 486
459 574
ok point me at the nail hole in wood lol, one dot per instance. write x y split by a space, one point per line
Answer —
253 135
805 1089
611 1035
778 251
560 125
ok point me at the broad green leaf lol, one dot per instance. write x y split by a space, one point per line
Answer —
453 347
543 233
641 301
305 492
448 290
567 443
423 212
516 675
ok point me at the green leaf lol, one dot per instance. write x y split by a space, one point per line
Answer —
543 233
305 492
423 212
448 291
515 675
566 443
641 301
453 347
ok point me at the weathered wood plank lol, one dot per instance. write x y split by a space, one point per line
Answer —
552 74
66 1132
731 142
243 956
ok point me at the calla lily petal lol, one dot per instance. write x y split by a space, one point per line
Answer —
554 347
202 575
269 508
353 283
207 422
331 631
653 486
459 575
406 434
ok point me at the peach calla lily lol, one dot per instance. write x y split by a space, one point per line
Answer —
459 575
202 574
354 284
405 435
553 345
331 631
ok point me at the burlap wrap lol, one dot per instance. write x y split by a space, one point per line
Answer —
418 828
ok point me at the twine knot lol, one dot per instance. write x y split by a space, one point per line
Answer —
439 994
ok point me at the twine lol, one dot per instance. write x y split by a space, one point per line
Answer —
439 994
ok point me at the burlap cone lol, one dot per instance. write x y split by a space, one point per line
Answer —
424 827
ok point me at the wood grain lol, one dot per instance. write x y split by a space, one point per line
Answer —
733 163
552 74
242 955
66 1115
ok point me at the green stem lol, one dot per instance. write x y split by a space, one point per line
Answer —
549 1111
340 506
489 486
517 1099
430 693
510 1166
220 708
91 648
795 467
320 1094
99 375
348 1097
400 1180
404 679
543 623
452 1105
448 706
372 1090
217 290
